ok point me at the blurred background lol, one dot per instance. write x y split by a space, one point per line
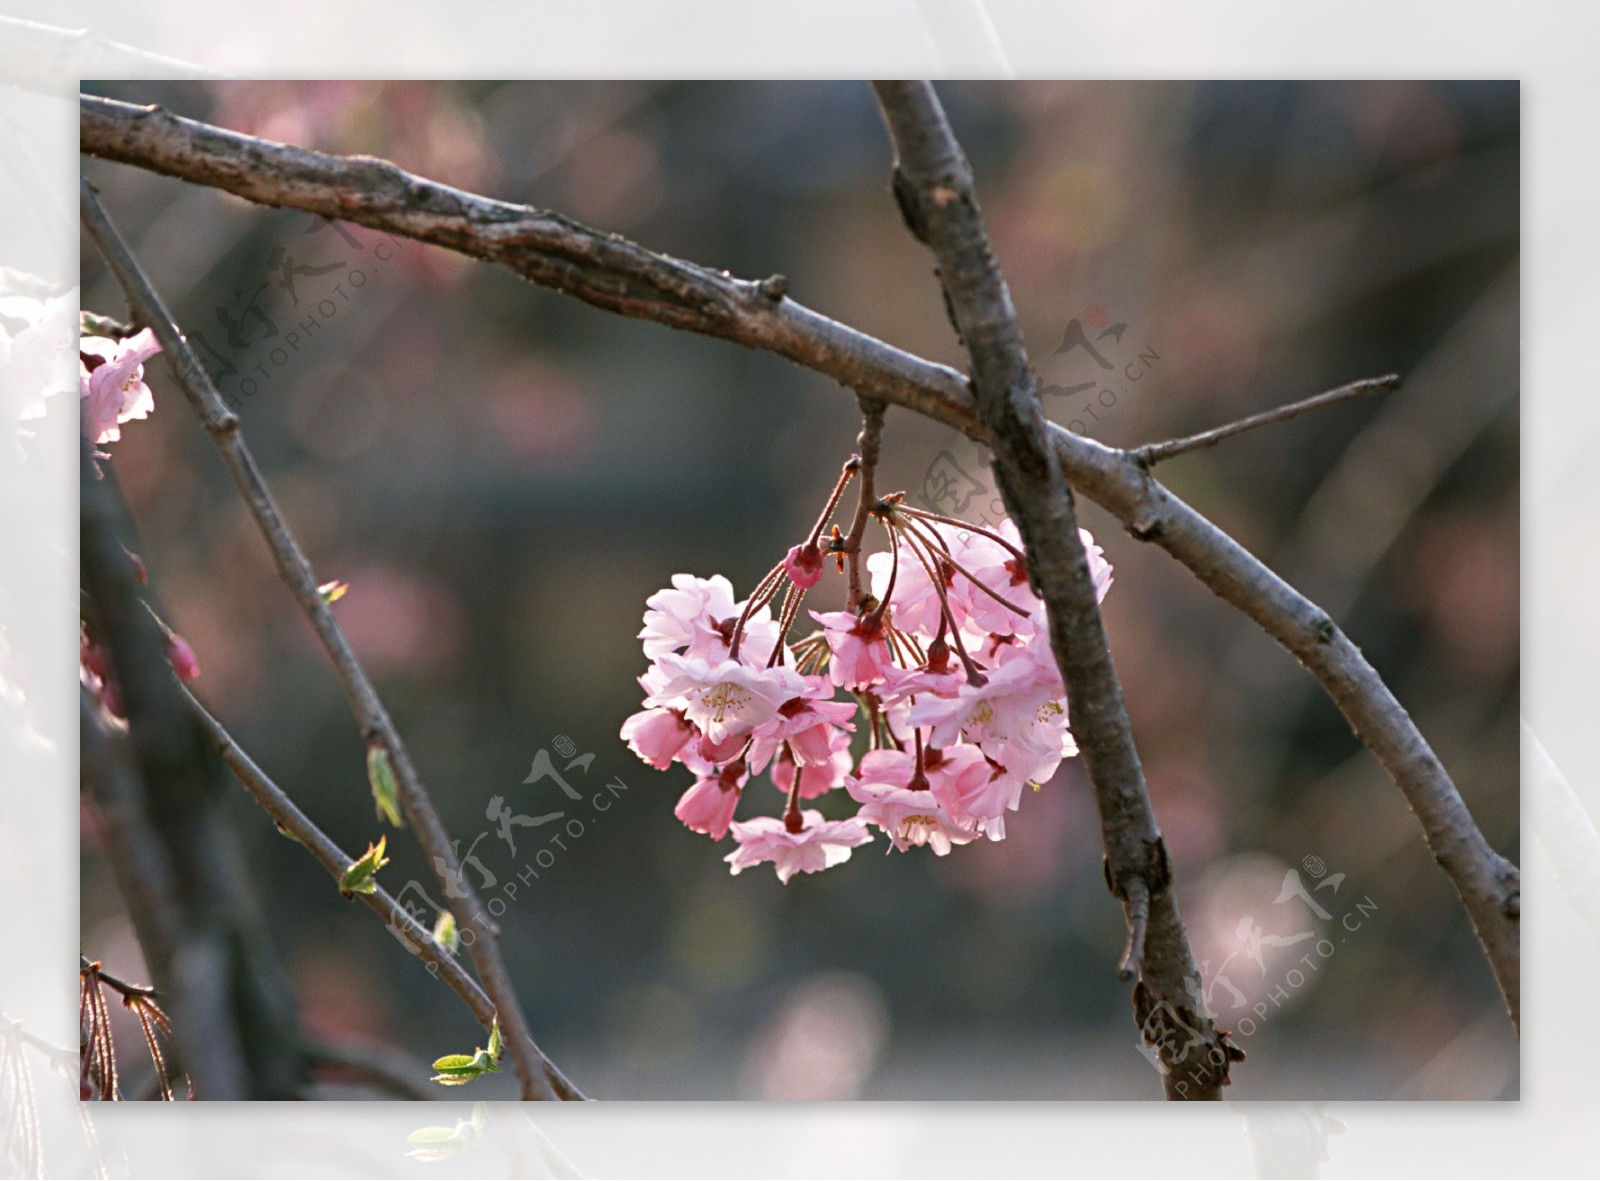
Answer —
503 476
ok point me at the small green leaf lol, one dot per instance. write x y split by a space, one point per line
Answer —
445 933
385 790
332 592
362 876
458 1069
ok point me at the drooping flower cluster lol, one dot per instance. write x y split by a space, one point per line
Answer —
955 701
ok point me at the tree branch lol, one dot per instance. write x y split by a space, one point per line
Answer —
157 790
1153 453
416 938
600 269
933 184
295 569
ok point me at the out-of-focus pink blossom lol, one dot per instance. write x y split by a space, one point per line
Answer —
111 388
181 655
820 844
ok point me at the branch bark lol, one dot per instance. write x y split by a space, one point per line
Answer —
295 569
619 276
933 184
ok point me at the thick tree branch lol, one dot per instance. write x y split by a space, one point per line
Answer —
416 938
933 184
295 569
603 270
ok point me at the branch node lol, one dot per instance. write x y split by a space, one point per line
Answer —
774 287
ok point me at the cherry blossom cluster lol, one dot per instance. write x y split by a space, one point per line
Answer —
954 703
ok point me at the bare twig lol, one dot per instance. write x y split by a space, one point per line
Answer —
1153 453
619 276
933 184
116 983
295 568
870 443
416 938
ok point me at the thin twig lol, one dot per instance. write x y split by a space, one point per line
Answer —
934 186
1153 453
870 443
413 936
295 568
619 276
118 985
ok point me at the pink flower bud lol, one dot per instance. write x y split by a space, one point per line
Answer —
804 565
183 659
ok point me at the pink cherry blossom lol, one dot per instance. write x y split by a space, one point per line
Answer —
111 388
709 805
817 777
725 699
860 647
909 815
807 724
696 616
973 791
915 602
657 736
819 845
1017 717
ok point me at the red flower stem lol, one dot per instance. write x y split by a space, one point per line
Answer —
990 591
968 526
930 564
851 467
767 586
792 820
